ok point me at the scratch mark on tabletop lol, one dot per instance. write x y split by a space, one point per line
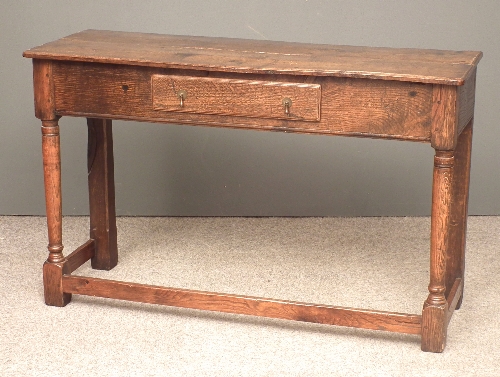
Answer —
257 32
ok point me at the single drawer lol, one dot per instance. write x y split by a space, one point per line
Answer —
246 98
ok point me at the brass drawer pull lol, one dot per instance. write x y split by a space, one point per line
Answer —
182 94
287 103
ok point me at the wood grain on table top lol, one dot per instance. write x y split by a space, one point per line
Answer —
260 56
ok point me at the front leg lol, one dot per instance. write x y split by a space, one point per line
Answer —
53 268
435 311
455 265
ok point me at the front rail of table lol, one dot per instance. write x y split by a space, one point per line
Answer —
415 95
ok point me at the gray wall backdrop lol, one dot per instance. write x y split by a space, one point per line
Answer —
185 170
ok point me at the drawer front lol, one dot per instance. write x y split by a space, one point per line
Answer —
247 98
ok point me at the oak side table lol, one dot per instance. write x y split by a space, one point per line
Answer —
406 94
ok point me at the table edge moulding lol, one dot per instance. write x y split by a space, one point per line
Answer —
388 93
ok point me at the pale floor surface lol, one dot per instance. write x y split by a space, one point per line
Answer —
376 263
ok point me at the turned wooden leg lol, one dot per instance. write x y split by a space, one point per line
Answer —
434 315
102 193
53 268
455 263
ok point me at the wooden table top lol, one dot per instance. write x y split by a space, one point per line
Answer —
258 56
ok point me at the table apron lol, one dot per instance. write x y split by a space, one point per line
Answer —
348 106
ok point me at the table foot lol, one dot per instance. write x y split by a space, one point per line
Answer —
52 284
434 327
